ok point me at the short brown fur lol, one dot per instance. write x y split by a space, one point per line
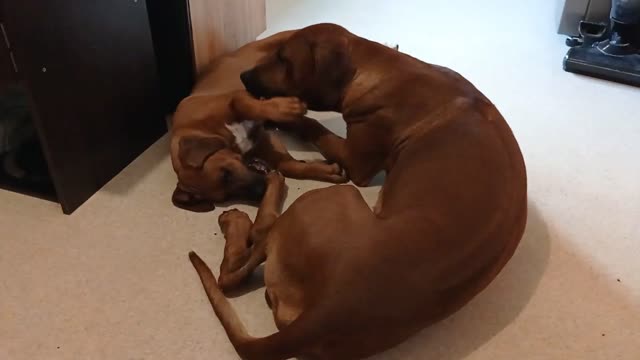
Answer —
209 164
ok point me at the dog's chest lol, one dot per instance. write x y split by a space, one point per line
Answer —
242 134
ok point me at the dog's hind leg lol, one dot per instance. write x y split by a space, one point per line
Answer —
330 145
236 227
270 207
254 234
361 166
276 154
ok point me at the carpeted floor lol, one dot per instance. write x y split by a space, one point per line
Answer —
113 281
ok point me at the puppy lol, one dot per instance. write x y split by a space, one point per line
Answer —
220 149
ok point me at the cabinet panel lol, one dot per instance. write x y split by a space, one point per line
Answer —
7 68
91 72
7 73
171 30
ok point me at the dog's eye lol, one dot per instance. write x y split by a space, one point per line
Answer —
226 176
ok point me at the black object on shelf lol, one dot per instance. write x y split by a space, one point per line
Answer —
25 170
609 51
23 167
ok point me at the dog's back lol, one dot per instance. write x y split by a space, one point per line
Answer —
223 74
222 77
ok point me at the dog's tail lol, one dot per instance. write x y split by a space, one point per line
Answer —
287 343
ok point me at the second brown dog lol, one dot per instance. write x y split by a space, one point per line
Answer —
220 149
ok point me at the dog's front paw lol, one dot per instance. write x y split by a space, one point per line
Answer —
337 174
275 178
285 109
229 216
330 172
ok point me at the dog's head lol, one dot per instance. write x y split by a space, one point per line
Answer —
211 173
314 64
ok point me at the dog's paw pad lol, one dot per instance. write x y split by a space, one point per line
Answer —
229 215
287 108
337 174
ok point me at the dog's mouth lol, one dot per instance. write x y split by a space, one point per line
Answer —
256 89
258 165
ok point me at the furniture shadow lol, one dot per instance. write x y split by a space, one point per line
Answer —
136 172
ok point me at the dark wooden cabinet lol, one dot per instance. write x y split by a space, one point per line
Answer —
102 75
8 71
91 70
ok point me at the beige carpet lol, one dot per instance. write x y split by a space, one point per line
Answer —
113 281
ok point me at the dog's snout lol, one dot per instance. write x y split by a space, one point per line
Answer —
251 83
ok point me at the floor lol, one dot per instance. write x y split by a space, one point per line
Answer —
112 281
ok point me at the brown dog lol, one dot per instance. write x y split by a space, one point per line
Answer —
347 282
217 135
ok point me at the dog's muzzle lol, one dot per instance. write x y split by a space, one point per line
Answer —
246 78
252 85
256 188
258 165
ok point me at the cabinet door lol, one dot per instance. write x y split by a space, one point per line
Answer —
7 68
91 72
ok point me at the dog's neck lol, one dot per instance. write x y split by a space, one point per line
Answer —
356 101
365 83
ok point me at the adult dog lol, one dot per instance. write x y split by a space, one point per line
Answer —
346 282
217 136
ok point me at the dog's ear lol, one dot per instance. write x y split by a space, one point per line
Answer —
333 61
188 201
194 150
